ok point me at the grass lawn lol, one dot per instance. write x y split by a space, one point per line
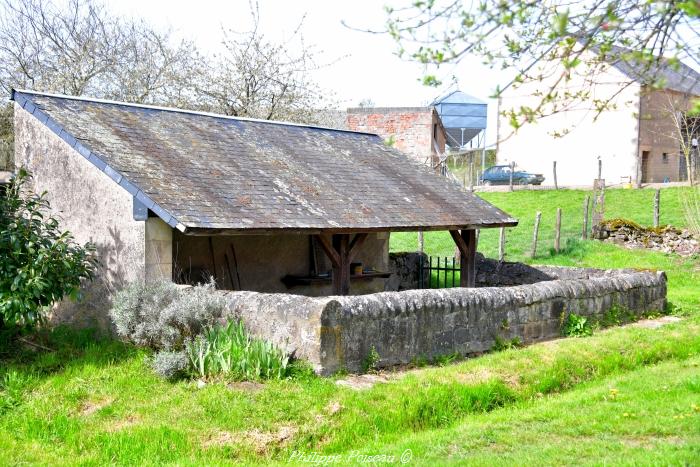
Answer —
636 205
625 395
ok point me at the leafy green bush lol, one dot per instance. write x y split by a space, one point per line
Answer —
577 326
39 263
230 351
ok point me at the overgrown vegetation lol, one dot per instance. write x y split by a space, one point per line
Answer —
506 344
40 264
182 326
576 326
231 352
369 364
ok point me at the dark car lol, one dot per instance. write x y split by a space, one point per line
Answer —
500 175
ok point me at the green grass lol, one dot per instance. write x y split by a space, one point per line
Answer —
94 401
652 419
636 205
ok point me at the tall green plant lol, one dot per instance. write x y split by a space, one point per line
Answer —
39 263
230 351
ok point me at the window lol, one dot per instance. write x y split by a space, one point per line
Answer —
664 158
434 130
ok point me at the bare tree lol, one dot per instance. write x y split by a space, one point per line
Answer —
686 133
258 78
80 48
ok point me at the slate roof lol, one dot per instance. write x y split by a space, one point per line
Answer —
680 78
204 172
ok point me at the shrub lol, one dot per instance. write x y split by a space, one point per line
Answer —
170 365
369 364
577 326
230 351
501 344
161 315
40 263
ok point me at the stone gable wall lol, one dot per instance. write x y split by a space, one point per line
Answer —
92 207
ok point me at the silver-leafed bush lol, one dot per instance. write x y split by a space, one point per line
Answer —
170 365
162 316
183 326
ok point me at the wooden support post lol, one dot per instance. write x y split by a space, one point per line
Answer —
554 169
600 168
535 233
510 181
341 271
586 203
421 241
657 200
557 232
466 242
502 244
341 251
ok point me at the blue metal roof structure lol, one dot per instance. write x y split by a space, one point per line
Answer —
462 115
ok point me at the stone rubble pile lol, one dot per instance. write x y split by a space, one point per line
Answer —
667 239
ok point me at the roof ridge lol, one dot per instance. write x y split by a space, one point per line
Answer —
183 111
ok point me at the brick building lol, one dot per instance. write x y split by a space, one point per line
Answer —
416 131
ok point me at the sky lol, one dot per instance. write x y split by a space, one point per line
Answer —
359 65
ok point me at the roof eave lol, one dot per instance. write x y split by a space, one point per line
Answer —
204 231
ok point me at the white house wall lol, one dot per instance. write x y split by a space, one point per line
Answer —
612 136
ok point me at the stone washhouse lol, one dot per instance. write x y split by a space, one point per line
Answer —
293 223
257 205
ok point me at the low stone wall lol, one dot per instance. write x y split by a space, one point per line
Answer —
336 333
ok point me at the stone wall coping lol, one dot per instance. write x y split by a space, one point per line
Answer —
395 303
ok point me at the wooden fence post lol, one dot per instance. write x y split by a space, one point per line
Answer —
586 203
502 244
471 171
557 231
535 233
464 176
554 169
598 202
510 183
657 200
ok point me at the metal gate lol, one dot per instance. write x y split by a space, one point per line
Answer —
438 272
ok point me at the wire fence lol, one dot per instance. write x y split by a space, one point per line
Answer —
576 208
